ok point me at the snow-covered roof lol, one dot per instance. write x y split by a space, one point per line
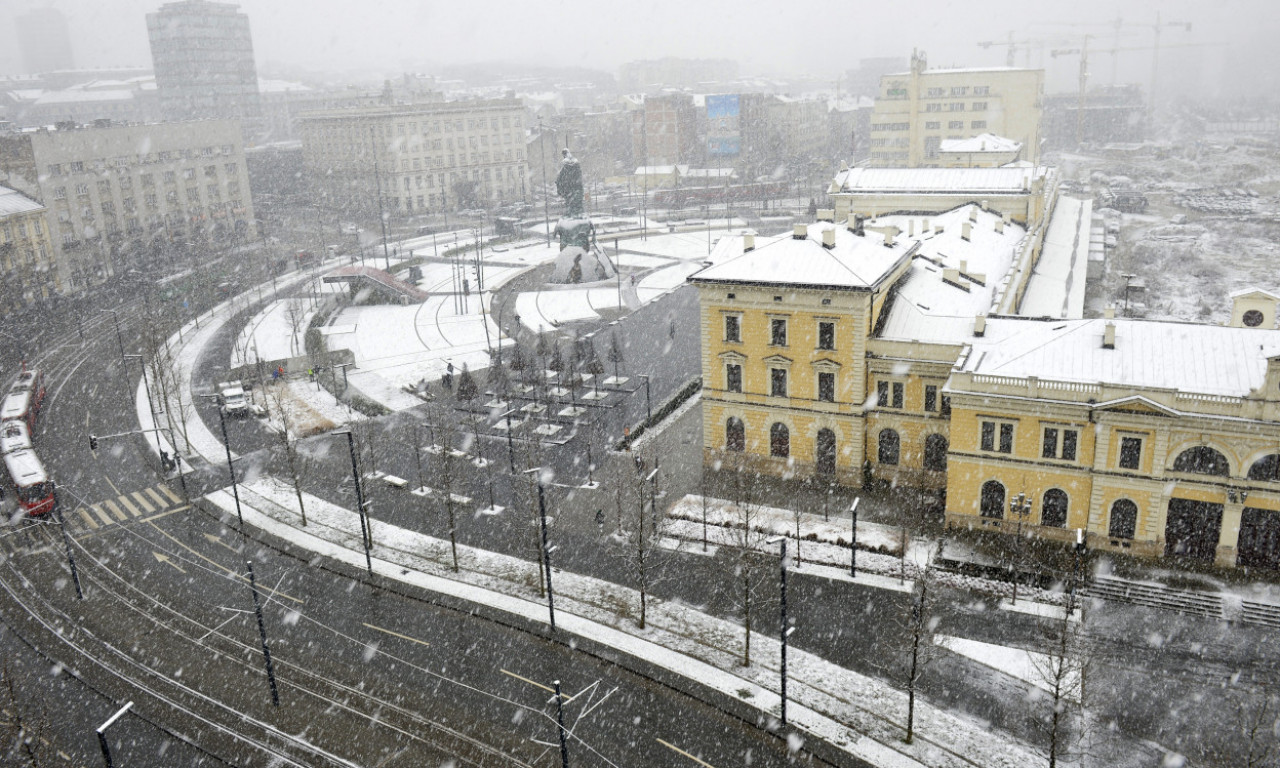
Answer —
1188 357
976 181
14 436
855 263
1056 287
280 86
713 173
77 96
1253 291
12 202
661 170
927 307
983 142
25 467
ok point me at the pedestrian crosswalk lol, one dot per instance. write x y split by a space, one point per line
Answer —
126 506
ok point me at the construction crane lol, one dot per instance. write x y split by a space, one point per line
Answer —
1083 52
1024 45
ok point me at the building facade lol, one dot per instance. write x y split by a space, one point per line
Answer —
121 195
26 252
417 158
785 329
665 131
202 54
1155 438
917 110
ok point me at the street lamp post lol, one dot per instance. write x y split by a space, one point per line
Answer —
546 546
648 403
262 632
235 490
102 734
784 629
355 475
1020 506
66 540
564 745
853 539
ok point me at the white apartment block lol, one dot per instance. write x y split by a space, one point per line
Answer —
121 195
417 158
916 111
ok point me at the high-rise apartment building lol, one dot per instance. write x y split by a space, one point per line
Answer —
417 158
203 58
917 110
45 43
121 195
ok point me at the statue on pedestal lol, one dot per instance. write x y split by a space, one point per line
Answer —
579 260
569 184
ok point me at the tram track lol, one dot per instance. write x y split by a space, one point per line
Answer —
187 638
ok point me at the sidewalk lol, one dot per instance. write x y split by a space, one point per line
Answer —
842 716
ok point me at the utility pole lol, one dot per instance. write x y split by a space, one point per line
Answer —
377 179
546 205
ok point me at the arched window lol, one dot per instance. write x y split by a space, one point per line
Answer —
935 453
779 440
826 452
1053 512
889 446
1201 460
1124 519
735 434
992 499
1266 468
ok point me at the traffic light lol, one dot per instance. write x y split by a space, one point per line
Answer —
93 442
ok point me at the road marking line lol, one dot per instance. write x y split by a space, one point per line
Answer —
397 634
548 689
106 519
674 748
158 499
161 558
183 508
215 563
142 500
113 485
167 492
124 501
110 506
84 513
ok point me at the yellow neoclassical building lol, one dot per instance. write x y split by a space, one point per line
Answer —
785 326
1157 438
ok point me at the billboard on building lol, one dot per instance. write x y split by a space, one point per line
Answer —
723 137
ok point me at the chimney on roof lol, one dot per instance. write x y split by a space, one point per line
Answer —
855 225
938 229
748 242
800 232
828 239
1005 218
964 266
1109 336
826 214
911 227
889 235
924 226
1109 313
980 325
966 230
973 213
984 205
999 226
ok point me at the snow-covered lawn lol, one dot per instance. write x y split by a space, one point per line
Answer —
270 334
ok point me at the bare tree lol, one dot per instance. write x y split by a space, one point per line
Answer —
21 737
615 354
1250 739
296 313
1060 667
916 646
747 536
448 481
277 400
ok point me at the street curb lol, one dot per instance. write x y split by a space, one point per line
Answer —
736 707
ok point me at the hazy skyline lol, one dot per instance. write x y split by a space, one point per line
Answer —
802 38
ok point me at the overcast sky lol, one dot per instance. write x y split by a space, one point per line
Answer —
798 36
